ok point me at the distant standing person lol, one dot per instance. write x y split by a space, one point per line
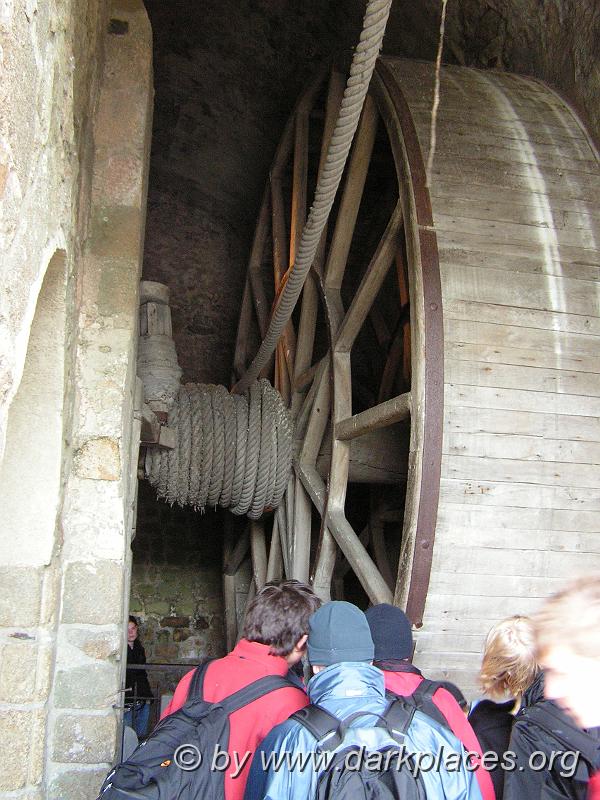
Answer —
138 694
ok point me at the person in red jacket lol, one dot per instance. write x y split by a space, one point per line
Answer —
273 640
392 636
567 638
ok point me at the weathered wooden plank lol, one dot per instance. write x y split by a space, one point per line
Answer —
519 563
534 264
449 660
516 539
451 189
458 85
522 495
521 400
498 354
446 582
387 413
507 335
513 517
510 376
482 145
544 292
533 214
521 318
444 608
523 423
522 127
568 186
523 447
551 241
509 470
497 243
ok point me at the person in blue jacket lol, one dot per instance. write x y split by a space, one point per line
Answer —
344 681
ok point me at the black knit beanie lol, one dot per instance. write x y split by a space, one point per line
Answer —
391 632
338 631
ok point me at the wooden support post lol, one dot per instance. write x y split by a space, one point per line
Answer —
275 562
238 554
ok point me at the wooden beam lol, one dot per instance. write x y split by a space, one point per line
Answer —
259 553
378 457
386 413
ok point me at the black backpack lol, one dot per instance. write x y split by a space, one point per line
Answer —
176 762
355 774
422 699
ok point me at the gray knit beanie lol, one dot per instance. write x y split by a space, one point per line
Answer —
338 631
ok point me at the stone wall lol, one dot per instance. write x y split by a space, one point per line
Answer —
75 116
176 581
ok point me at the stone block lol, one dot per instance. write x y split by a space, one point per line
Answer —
102 645
18 667
84 739
92 593
15 735
98 459
90 686
116 234
20 596
76 784
37 749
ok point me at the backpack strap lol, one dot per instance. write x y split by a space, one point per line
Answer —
253 691
422 699
398 716
196 690
319 723
330 731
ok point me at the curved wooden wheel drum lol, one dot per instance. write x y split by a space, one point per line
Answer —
498 451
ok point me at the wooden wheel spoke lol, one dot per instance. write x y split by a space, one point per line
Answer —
351 196
370 284
387 413
308 310
347 539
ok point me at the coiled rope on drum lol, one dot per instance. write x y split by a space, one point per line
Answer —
232 451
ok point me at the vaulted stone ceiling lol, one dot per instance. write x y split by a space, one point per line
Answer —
227 73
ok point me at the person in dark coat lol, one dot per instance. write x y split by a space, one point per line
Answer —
138 694
567 633
508 667
553 758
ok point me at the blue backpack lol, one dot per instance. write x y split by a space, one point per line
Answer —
392 772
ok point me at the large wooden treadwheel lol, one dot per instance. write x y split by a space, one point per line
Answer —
360 363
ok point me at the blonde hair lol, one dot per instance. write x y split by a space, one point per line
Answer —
571 618
509 662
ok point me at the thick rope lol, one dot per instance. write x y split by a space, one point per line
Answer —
361 70
230 450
